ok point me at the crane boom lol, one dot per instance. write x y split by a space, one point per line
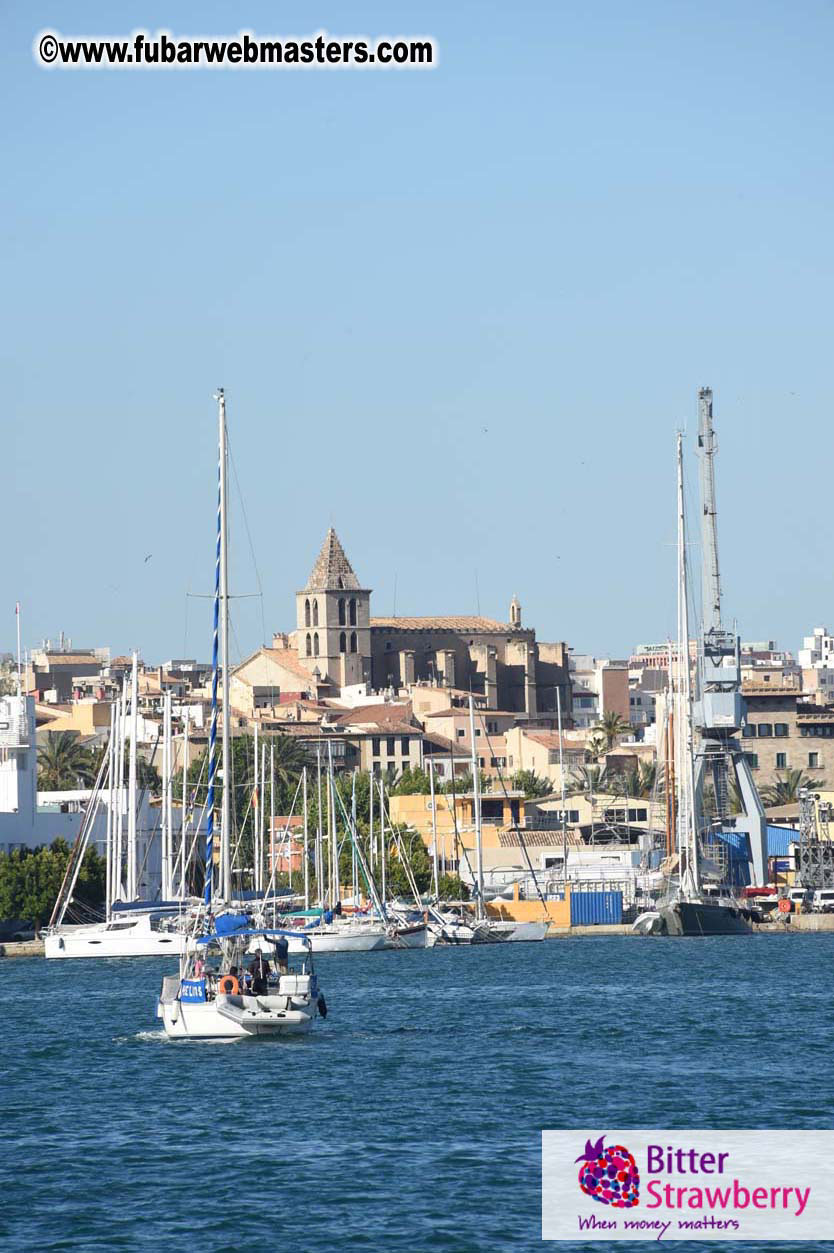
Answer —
709 526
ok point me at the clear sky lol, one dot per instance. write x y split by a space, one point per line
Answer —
458 314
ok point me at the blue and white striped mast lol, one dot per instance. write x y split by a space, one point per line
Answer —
219 664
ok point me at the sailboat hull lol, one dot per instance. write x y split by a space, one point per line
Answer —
341 940
700 918
134 939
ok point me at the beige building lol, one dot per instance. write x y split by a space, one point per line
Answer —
341 645
784 733
530 748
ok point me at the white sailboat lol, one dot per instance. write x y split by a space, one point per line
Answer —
214 997
132 927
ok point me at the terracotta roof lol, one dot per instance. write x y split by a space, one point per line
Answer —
386 717
70 659
284 657
550 740
455 622
332 570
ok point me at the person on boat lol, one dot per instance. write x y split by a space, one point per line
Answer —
282 950
259 971
199 967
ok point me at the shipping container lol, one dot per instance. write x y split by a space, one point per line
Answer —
591 909
779 840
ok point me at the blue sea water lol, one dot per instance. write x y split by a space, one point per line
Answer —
411 1118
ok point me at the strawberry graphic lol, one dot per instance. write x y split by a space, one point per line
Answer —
609 1175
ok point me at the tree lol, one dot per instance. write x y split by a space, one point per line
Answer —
412 782
786 789
531 784
641 781
30 880
586 779
64 763
612 727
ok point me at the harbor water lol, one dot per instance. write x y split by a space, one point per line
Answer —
411 1118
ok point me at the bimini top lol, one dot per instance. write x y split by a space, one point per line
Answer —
234 935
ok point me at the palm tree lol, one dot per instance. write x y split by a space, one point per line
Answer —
595 745
585 779
786 789
290 760
63 762
612 726
641 782
531 784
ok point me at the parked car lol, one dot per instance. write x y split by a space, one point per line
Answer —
823 901
15 929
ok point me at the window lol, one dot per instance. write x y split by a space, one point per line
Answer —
781 730
342 642
353 641
492 728
752 760
404 745
477 731
748 731
781 761
352 608
341 612
765 729
309 645
307 613
391 747
375 746
315 613
813 760
316 644
461 733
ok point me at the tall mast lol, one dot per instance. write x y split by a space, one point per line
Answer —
688 840
709 524
219 563
435 863
132 877
476 804
111 826
184 818
306 846
223 565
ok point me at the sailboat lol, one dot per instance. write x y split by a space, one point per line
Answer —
132 926
214 996
690 908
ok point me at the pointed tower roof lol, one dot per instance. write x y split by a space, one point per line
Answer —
332 570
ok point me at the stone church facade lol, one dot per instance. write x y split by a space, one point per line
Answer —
338 642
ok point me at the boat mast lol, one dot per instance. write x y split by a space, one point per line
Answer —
435 866
184 818
218 584
306 845
132 878
223 570
688 838
111 828
476 803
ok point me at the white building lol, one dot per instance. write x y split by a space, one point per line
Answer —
30 819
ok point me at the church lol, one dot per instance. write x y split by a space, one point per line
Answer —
339 645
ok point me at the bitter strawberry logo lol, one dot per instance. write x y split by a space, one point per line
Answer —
609 1175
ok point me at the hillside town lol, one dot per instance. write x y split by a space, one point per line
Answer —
569 747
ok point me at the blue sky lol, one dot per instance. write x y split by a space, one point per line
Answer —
458 314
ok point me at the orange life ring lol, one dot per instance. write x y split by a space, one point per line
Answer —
228 985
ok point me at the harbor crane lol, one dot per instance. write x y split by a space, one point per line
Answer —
720 709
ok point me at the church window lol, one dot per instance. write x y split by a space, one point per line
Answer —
341 611
353 641
309 645
342 642
315 613
316 644
306 613
352 607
